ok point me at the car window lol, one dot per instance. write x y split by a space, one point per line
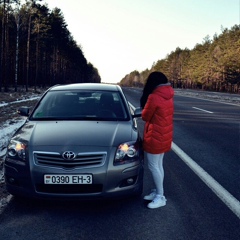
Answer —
92 105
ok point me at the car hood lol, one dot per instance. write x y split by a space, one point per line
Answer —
83 133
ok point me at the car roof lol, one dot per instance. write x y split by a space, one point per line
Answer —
87 86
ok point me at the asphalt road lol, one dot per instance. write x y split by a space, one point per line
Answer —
208 132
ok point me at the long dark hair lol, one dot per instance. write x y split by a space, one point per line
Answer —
153 80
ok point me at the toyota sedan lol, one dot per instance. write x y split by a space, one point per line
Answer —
80 141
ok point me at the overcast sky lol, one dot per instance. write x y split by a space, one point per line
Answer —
120 36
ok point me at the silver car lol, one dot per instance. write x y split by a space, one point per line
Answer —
80 141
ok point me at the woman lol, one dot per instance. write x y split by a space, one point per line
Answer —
157 105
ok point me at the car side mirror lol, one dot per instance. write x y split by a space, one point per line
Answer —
137 112
23 111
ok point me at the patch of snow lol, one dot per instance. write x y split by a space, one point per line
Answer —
19 101
214 96
4 202
7 129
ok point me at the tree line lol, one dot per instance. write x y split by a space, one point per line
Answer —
37 49
213 65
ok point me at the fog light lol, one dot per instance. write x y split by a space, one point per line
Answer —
11 180
130 181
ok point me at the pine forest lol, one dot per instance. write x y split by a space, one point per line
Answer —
213 65
37 48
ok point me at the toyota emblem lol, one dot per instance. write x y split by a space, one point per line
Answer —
68 155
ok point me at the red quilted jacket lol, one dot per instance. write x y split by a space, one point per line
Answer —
158 115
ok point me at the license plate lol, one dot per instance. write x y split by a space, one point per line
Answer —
68 179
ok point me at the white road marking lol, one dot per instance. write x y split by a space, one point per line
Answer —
202 110
229 200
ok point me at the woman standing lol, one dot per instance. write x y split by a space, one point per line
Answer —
157 105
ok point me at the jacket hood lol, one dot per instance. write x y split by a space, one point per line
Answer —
165 90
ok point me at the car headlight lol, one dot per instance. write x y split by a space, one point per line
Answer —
126 153
16 151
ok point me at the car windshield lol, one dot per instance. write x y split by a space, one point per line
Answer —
84 105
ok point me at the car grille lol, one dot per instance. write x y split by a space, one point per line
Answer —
83 160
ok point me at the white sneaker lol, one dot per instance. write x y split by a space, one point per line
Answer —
151 196
158 201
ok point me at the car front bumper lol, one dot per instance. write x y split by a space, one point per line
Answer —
108 181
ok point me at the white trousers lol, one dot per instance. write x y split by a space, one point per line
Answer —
155 165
